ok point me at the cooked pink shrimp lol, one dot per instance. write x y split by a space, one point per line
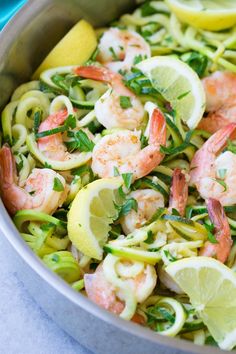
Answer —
52 146
104 294
222 232
220 89
209 168
38 191
108 109
178 192
123 150
119 48
148 201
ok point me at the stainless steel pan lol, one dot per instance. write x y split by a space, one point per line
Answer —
23 44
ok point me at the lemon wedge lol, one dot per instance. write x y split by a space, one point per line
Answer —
211 287
179 85
75 48
91 213
210 15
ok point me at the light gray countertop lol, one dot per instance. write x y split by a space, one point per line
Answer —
24 327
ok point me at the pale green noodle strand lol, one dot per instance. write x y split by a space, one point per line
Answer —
22 89
19 133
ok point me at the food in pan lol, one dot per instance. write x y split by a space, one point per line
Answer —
118 166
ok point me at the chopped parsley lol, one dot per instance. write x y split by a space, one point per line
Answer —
121 192
222 173
127 178
169 256
113 53
222 183
210 234
129 204
57 185
47 165
137 59
125 102
79 141
37 120
150 237
147 9
70 122
116 171
182 95
197 61
48 226
231 147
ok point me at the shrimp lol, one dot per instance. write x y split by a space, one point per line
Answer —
38 192
52 146
104 294
220 89
108 109
214 176
148 202
119 48
123 150
178 192
169 282
222 232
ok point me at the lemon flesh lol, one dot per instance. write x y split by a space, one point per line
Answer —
211 287
179 85
91 213
210 15
75 48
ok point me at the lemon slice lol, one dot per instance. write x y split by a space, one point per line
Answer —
211 287
75 48
179 85
91 213
211 15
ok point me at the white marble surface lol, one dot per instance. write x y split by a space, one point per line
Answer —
24 327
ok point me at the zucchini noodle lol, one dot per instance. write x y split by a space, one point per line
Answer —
174 37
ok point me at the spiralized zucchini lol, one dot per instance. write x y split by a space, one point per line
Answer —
166 35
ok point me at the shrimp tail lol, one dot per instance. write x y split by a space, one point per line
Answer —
157 128
221 231
95 73
220 138
8 180
178 192
8 174
203 159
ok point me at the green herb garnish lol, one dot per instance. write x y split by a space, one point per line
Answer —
231 147
116 171
127 178
114 55
129 204
37 120
79 141
169 256
70 122
125 102
47 165
210 235
222 173
57 185
222 183
182 95
150 237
